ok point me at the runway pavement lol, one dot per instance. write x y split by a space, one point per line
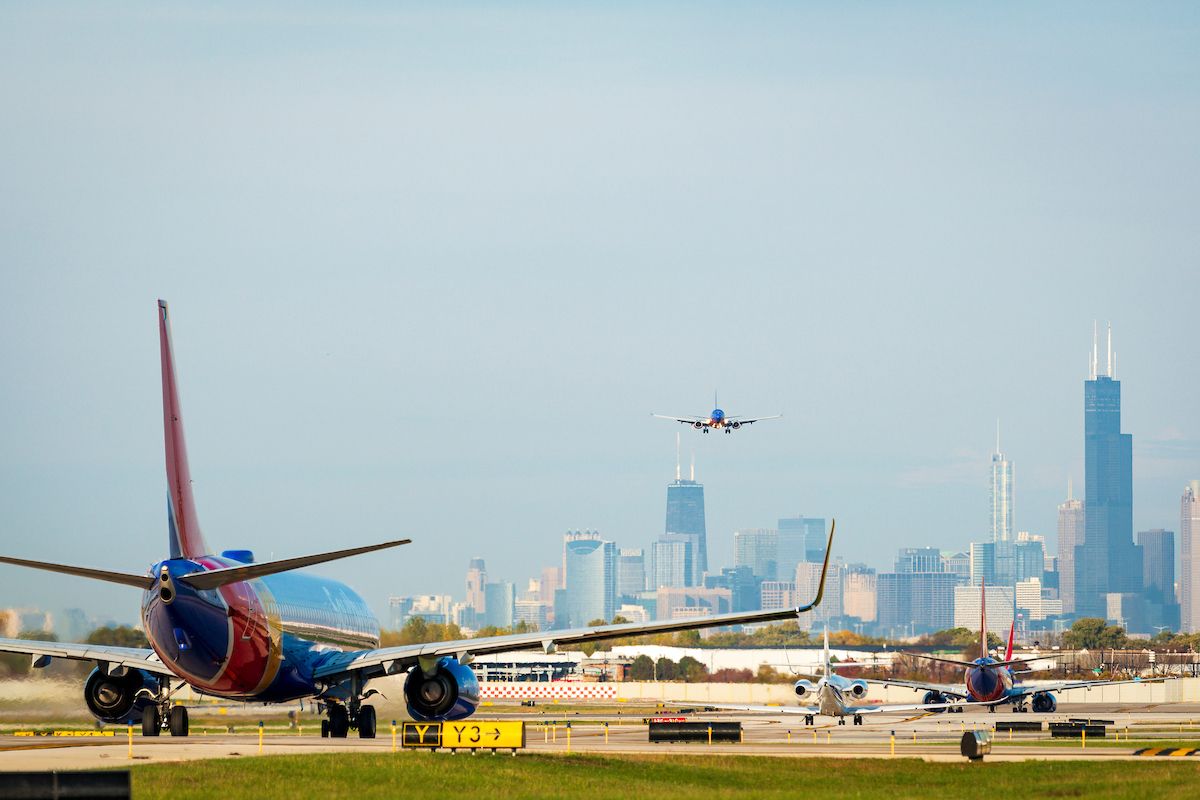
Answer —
933 737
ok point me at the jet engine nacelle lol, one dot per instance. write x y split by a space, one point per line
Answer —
116 700
450 692
1044 703
804 687
934 697
735 425
858 689
697 425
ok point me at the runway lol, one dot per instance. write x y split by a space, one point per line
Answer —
932 737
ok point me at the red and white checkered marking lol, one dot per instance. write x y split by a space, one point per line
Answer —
555 690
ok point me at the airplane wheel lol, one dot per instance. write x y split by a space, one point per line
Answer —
366 722
150 721
339 722
324 729
841 720
179 721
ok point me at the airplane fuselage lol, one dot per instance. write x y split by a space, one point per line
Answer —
257 640
986 682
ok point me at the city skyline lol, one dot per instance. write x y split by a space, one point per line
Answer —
432 272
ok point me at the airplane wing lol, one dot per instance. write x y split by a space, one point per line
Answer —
765 709
941 688
394 660
754 420
890 709
961 663
684 420
134 657
1024 690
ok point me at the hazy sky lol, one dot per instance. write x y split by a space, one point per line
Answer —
432 267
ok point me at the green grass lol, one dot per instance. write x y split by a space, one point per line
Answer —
353 775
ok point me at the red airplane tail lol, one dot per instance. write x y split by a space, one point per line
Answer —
184 535
983 650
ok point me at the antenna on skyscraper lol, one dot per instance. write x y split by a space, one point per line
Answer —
1109 368
693 478
997 436
1095 337
1070 491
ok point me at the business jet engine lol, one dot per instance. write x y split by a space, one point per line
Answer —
858 689
803 688
449 692
119 700
1043 703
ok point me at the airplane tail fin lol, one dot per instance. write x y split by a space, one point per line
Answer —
983 650
1012 629
826 657
183 527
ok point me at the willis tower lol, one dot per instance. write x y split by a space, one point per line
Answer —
1107 561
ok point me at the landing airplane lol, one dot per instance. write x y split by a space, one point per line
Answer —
834 695
716 420
993 682
262 632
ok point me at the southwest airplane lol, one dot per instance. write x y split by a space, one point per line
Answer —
716 420
992 682
262 632
834 696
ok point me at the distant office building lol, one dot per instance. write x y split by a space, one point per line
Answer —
73 625
551 580
590 567
777 594
671 561
1000 604
808 581
1189 567
631 572
858 592
1158 577
1001 494
1029 557
692 601
1107 561
1070 536
799 539
1035 602
476 579
742 586
685 518
1126 609
983 563
959 564
533 613
434 608
633 612
910 603
919 559
500 600
757 548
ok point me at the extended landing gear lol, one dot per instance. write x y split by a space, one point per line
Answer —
858 719
342 719
162 714
808 719
841 720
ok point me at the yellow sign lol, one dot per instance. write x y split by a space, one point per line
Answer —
421 734
471 734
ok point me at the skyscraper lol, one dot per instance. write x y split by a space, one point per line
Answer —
590 570
1070 536
800 539
685 517
631 572
1189 566
501 604
476 580
671 561
758 549
1002 494
1158 576
1107 561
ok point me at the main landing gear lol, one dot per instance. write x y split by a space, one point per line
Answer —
858 719
809 719
341 718
161 714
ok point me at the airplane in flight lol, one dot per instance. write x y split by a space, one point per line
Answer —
993 682
716 420
232 627
834 696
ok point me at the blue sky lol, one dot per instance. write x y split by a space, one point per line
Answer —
432 266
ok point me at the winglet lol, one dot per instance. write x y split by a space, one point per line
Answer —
185 538
824 571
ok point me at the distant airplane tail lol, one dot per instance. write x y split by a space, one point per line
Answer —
1012 630
183 527
983 648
